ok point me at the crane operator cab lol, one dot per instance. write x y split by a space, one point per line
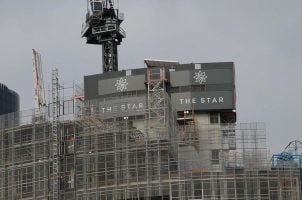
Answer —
100 9
96 6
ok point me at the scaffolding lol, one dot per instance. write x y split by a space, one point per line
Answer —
139 156
55 138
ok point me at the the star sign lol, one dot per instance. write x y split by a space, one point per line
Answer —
200 77
121 84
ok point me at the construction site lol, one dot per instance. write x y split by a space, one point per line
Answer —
163 131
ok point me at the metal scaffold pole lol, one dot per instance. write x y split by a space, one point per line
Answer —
55 138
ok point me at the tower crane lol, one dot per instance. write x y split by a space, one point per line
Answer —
103 27
38 85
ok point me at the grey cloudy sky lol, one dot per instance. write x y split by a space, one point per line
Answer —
262 37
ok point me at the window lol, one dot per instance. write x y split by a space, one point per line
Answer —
214 118
128 72
215 156
197 66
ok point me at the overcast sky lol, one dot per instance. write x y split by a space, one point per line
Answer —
262 38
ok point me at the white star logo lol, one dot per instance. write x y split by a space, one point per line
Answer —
121 84
200 77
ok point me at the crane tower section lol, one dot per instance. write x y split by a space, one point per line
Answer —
38 83
102 27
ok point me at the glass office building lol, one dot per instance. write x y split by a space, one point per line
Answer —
9 100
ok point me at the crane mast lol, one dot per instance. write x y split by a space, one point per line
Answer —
103 27
38 85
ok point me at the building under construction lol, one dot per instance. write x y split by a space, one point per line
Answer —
163 131
146 135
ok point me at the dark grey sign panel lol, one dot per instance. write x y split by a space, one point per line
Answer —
180 78
122 107
121 84
201 77
219 100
